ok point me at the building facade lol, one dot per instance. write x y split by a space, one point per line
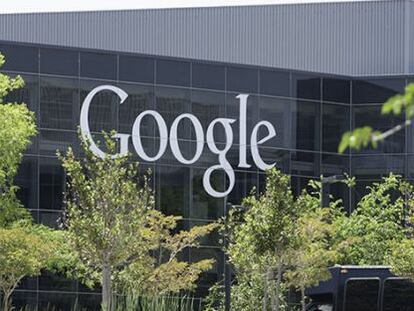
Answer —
309 112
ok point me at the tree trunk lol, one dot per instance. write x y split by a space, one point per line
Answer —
302 292
106 288
273 297
6 300
278 282
265 291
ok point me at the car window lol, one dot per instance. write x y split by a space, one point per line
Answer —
398 295
361 295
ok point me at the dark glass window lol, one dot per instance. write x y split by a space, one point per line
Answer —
298 183
51 141
398 295
360 190
371 116
60 62
252 116
280 157
98 65
306 125
240 79
215 274
377 166
305 163
208 76
26 180
20 58
245 182
173 190
173 72
306 86
51 219
51 184
336 90
56 301
375 90
361 295
207 106
29 94
140 98
278 112
333 164
203 205
59 103
103 109
274 82
24 300
89 302
170 103
138 69
335 122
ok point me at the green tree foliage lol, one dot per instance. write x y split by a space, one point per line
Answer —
313 252
365 136
259 245
122 242
16 130
366 237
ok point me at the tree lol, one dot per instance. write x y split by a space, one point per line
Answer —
115 230
260 244
379 221
312 251
25 250
17 128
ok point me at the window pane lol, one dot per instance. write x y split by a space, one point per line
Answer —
274 82
305 163
20 58
173 72
371 116
60 62
207 106
173 190
375 90
337 90
103 109
278 112
29 94
51 219
203 205
362 295
240 79
56 301
98 65
138 69
252 115
335 122
59 103
306 125
208 76
140 98
306 86
51 141
170 103
377 166
51 184
245 182
26 180
398 295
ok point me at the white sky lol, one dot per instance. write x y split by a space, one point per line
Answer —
25 6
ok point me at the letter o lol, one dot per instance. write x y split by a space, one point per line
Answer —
136 135
175 148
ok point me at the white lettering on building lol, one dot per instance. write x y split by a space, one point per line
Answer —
171 137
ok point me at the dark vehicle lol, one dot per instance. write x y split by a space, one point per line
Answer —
362 288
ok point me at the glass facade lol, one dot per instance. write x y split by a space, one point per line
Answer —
308 111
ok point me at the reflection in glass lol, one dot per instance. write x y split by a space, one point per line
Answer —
51 184
306 86
58 103
26 180
335 122
375 90
173 190
371 116
306 125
